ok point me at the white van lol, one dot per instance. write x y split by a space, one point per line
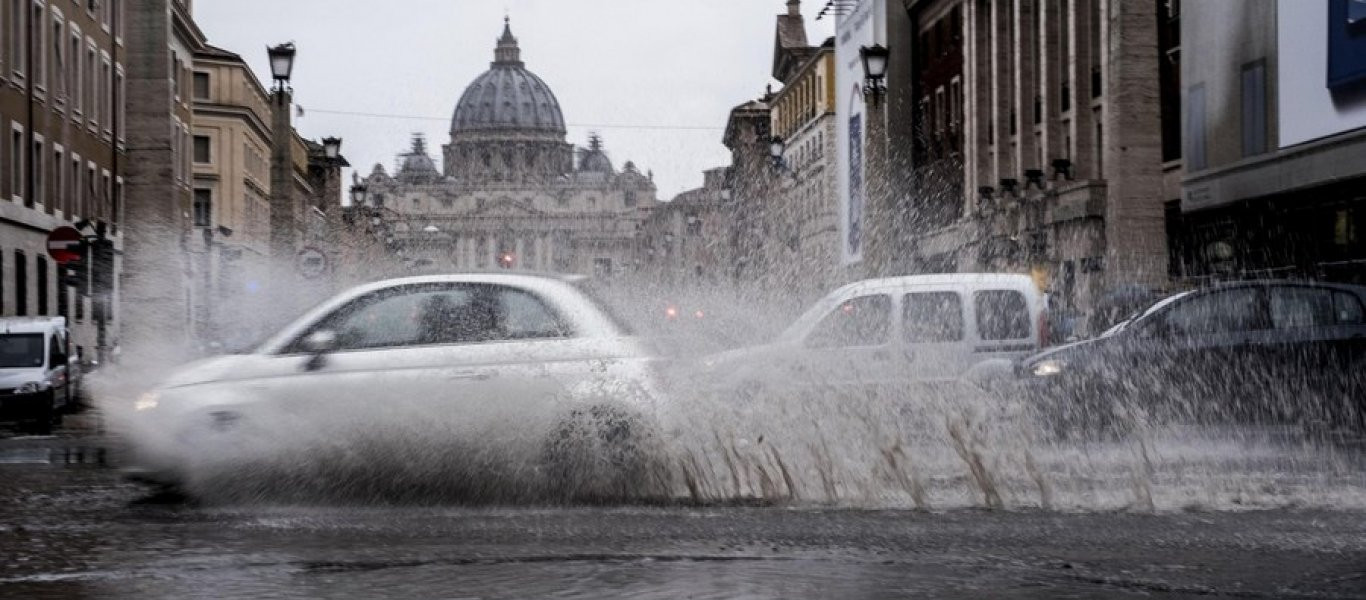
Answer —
919 328
39 374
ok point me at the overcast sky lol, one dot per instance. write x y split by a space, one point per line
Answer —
631 70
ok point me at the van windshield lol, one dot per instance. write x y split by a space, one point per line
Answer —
21 350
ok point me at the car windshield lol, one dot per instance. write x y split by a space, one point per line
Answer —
21 350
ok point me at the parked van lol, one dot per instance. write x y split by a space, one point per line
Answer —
919 328
39 374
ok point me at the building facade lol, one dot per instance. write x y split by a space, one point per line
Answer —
512 192
62 153
1274 134
804 219
1039 144
683 242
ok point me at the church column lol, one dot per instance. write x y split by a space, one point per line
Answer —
491 252
519 252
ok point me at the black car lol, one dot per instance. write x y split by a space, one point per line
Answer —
1277 352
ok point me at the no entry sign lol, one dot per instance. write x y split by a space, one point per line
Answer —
65 244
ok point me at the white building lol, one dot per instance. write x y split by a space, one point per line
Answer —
512 192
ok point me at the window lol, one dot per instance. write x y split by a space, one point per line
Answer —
20 284
201 86
21 350
120 115
1195 128
77 206
56 354
92 84
106 99
175 74
39 166
862 321
932 317
629 198
58 181
17 177
39 44
1254 108
18 39
201 149
63 295
58 70
1001 315
428 314
1347 309
41 280
75 74
1218 312
203 208
1297 307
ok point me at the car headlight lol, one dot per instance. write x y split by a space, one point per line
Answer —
32 387
1048 367
147 401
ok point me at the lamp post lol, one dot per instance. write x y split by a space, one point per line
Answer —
281 64
332 148
284 213
874 70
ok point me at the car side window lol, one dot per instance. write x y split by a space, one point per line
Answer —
526 317
1225 311
929 317
1347 309
1300 307
861 321
1001 315
430 314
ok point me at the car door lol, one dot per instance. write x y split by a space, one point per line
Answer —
1215 357
852 346
933 332
1003 325
1309 350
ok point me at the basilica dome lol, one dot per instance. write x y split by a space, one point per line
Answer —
508 99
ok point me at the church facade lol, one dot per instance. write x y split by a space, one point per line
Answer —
511 191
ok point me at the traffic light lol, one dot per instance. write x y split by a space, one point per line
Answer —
100 257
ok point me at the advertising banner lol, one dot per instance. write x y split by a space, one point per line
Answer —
861 25
1321 75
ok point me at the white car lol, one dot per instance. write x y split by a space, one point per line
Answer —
507 366
915 329
39 375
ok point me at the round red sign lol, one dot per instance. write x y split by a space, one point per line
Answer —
64 244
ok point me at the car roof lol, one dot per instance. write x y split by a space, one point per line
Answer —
32 324
1346 287
1004 279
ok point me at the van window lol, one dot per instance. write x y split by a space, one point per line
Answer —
21 350
1001 315
862 321
932 317
56 353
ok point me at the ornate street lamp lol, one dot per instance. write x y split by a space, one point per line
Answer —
332 147
358 193
874 70
281 63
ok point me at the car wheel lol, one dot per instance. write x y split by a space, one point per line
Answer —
598 454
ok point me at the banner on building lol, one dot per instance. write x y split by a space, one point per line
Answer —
862 25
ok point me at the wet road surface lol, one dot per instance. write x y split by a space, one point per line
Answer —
71 528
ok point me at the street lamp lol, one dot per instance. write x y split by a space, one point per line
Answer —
874 70
358 193
281 63
332 147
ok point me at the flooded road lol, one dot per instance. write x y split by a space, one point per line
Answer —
71 528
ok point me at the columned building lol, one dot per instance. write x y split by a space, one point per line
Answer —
1041 143
511 192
